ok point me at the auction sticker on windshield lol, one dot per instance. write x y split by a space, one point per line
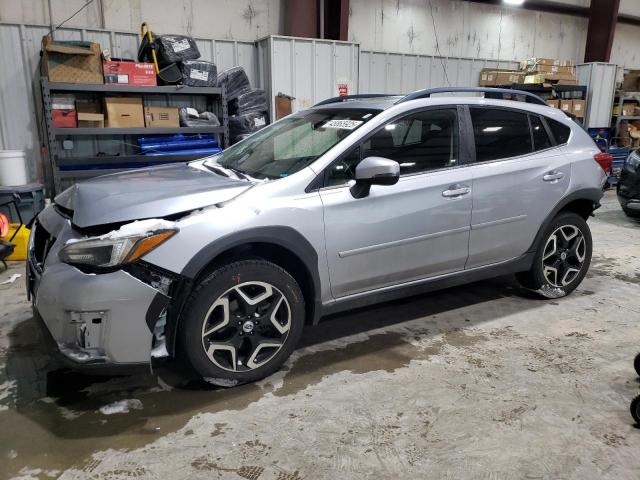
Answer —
343 124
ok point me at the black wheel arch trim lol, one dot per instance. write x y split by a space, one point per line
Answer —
281 236
591 194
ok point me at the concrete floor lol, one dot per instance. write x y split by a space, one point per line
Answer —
481 381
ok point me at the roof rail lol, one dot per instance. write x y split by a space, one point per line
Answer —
426 93
360 96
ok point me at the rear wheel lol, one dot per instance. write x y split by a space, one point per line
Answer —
631 213
562 258
635 409
242 322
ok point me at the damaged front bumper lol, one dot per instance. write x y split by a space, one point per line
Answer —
106 319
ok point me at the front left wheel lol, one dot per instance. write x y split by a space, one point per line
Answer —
242 322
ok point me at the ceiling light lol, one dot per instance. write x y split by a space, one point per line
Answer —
513 2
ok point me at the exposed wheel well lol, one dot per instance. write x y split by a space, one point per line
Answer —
277 254
583 207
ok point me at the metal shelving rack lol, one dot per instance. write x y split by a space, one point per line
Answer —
623 97
54 135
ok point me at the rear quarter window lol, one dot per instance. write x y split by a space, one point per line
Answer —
560 132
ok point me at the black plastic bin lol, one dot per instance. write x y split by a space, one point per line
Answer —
29 199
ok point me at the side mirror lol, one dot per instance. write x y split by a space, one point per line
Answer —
374 171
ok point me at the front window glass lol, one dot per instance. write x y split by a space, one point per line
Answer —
293 143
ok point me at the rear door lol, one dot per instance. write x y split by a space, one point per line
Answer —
399 233
519 175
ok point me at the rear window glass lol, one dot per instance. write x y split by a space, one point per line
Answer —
541 140
500 133
560 132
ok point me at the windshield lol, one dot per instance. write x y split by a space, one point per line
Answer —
291 144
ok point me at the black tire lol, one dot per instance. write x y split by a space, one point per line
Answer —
636 364
635 409
631 213
536 280
225 286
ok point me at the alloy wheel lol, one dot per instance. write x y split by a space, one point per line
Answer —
564 256
246 326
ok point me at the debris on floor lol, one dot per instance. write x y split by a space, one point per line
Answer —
121 406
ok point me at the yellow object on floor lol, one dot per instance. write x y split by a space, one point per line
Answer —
20 241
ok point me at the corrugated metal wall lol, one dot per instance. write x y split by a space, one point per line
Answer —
308 69
20 90
384 72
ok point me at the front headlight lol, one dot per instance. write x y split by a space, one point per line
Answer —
112 251
633 161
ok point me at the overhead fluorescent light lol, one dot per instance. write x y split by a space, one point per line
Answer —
513 2
491 129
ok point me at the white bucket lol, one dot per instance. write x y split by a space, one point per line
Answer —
13 168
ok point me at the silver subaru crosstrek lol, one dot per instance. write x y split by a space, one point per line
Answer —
355 201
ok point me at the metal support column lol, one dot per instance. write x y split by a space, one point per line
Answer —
602 26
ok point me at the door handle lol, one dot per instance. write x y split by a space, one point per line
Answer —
552 176
456 191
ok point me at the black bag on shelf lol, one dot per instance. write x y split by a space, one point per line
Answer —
252 101
190 117
175 48
247 123
199 73
235 80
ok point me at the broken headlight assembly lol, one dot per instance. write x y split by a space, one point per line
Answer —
107 252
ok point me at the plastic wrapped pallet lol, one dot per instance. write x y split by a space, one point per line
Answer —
247 123
190 117
252 101
175 48
198 73
235 80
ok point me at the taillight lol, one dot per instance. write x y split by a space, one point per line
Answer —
605 160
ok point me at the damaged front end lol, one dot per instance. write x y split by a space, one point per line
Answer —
102 304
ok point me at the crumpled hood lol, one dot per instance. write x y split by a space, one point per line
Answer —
147 193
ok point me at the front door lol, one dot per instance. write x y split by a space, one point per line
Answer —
414 229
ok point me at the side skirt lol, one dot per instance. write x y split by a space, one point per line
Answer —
387 294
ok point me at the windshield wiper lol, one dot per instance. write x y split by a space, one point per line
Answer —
239 173
225 171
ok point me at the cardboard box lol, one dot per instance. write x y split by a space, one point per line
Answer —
554 103
566 106
90 120
283 105
124 112
578 108
554 69
487 78
545 61
71 62
64 118
129 73
559 78
631 81
161 117
63 101
628 109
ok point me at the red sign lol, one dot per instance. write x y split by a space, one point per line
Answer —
129 73
343 89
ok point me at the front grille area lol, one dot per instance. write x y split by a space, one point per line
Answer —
42 242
